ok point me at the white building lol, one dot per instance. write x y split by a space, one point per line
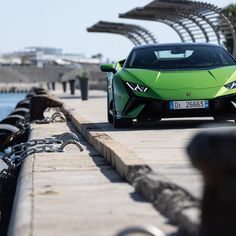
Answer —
42 56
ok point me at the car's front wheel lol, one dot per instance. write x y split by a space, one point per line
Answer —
120 123
109 115
216 118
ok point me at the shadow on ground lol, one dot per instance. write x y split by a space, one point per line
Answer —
79 97
161 125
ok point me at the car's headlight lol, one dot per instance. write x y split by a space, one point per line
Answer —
231 85
137 87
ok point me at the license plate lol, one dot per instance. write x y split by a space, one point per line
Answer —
194 104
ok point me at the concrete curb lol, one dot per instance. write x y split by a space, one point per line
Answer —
171 200
121 158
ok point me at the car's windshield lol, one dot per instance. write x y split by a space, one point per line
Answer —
179 57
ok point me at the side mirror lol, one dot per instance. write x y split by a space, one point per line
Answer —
107 68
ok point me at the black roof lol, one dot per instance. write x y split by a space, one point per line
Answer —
175 45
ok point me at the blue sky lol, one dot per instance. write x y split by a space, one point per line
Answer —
63 23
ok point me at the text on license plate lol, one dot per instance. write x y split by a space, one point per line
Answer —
194 104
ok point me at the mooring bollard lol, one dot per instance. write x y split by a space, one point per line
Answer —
64 83
39 103
39 91
72 86
214 153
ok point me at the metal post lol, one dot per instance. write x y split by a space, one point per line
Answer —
49 86
53 85
213 153
84 87
64 86
72 86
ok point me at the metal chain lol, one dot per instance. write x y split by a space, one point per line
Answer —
46 120
17 160
23 126
56 117
21 151
19 148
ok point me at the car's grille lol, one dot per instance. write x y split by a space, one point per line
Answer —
154 108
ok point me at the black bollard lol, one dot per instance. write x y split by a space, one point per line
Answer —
49 86
84 87
213 152
39 91
39 103
53 86
72 86
64 86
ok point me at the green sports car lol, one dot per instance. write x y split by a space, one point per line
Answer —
171 80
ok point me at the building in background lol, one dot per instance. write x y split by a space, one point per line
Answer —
44 56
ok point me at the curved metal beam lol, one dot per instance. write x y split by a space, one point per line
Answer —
171 24
137 34
179 32
198 19
187 15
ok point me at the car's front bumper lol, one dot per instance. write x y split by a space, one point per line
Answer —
153 109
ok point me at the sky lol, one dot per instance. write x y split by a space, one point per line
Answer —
63 23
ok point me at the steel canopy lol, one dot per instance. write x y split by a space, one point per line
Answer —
193 21
137 34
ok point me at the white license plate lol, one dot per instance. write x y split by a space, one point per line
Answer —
194 104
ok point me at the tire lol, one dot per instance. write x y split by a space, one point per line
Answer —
217 118
120 123
109 117
143 120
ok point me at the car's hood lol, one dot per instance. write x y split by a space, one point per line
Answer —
194 79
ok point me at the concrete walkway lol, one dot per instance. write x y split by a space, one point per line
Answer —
161 145
76 193
150 156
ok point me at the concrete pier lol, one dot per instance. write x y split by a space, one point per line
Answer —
76 193
151 157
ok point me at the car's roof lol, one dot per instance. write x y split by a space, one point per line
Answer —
175 45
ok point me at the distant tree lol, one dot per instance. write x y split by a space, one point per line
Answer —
230 12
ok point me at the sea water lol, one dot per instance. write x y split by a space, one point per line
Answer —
8 102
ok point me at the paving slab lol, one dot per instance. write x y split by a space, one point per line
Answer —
162 145
152 157
76 193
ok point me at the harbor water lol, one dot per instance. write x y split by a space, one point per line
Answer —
8 102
